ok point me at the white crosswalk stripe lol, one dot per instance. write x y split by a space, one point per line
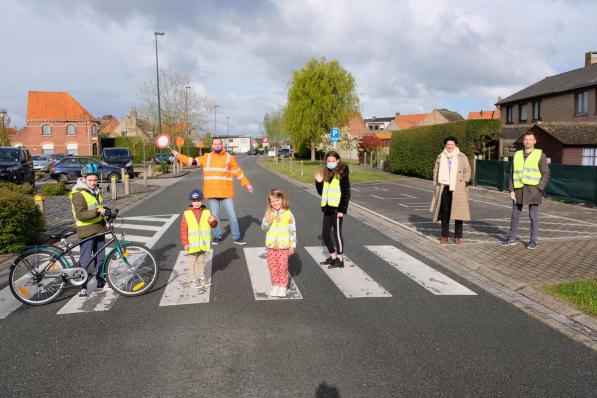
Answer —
260 277
432 280
178 291
351 280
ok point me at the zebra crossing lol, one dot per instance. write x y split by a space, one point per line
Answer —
352 281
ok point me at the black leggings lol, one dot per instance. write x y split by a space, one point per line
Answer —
332 221
445 211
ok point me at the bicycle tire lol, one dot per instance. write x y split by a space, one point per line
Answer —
28 288
133 275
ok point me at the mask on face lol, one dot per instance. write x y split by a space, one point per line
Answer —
331 165
217 150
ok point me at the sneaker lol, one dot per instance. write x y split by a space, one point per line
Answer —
337 264
282 291
204 283
83 293
196 284
532 245
275 291
216 241
327 261
507 242
240 242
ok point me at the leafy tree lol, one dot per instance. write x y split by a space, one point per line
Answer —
347 142
370 143
273 124
320 97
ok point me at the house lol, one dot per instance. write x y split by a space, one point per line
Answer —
378 123
440 116
237 144
132 126
107 124
356 125
404 122
484 115
57 123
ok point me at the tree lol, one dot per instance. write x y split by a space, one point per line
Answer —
320 97
274 126
347 142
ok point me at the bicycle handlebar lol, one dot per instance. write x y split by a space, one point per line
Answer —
111 215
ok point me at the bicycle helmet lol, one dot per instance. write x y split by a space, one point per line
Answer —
90 169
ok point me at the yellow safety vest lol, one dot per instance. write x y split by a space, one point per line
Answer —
278 235
199 232
331 193
92 204
526 172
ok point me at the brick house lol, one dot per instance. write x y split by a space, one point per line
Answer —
440 116
57 123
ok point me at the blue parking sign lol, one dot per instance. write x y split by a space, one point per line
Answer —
334 134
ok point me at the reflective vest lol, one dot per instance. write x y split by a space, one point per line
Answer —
331 193
199 232
92 204
278 236
526 172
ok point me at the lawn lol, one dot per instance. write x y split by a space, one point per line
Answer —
583 294
293 169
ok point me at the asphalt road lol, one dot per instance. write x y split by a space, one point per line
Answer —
412 343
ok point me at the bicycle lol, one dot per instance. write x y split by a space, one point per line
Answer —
38 275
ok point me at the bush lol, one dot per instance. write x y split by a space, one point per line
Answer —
413 151
21 221
53 189
24 188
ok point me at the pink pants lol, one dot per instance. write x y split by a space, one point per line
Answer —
277 262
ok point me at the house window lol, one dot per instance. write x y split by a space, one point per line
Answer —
537 110
46 129
72 149
589 157
509 115
94 149
522 112
93 129
47 149
71 129
581 103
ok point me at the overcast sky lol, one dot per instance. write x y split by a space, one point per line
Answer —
406 56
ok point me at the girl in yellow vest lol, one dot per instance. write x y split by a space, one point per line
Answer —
195 234
280 239
333 185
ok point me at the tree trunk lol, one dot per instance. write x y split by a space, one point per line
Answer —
312 151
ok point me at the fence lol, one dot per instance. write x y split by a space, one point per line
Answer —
566 182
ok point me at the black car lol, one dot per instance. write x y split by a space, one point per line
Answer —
16 165
119 157
70 169
164 157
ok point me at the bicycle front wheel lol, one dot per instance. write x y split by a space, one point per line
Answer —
133 272
36 277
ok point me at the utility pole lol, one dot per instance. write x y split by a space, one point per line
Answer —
215 121
227 120
157 72
187 88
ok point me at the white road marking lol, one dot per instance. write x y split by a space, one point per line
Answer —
260 277
97 300
432 280
159 234
351 280
178 291
8 302
403 194
159 217
141 227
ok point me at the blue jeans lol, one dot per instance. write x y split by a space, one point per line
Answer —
89 247
228 205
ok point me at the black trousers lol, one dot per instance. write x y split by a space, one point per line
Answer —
334 241
444 214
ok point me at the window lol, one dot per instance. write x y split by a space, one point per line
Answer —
589 157
47 149
94 149
93 129
581 103
72 149
522 112
537 110
46 129
509 115
71 129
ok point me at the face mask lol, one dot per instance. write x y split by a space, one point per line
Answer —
217 150
331 165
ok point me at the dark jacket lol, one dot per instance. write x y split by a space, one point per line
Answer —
344 193
83 213
531 194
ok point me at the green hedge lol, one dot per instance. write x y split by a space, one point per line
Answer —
25 187
21 221
413 151
53 189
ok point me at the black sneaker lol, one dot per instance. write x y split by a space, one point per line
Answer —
240 242
507 242
216 241
337 264
327 261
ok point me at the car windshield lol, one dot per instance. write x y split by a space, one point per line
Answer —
116 153
38 157
9 154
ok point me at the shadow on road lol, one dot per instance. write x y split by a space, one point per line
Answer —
326 391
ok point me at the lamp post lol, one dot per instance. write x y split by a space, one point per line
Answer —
2 115
157 73
215 121
227 121
187 88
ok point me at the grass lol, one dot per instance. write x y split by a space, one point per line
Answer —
357 173
583 294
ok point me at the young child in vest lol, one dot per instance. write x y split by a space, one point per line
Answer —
280 239
195 234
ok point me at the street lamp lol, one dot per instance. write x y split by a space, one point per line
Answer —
187 88
157 73
2 115
215 121
227 120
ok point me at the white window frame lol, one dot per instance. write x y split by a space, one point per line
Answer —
72 149
589 156
74 129
581 103
49 128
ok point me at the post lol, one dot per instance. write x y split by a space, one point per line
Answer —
145 176
475 170
157 73
113 188
127 185
149 170
39 201
122 173
291 162
302 169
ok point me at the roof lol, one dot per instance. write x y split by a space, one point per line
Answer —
494 114
574 79
392 126
109 125
407 121
571 133
450 116
383 135
379 119
55 105
514 131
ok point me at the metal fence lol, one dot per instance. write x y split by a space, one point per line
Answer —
569 183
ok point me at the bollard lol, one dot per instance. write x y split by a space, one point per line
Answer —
127 185
122 173
113 188
475 170
149 170
302 169
291 162
145 176
39 201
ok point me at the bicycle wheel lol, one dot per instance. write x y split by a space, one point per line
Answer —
132 273
36 277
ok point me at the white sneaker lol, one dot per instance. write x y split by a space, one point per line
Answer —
275 291
282 291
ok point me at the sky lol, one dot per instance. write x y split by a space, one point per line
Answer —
406 56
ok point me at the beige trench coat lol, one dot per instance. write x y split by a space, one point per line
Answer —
460 209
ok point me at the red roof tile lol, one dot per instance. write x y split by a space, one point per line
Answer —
408 121
110 126
55 105
495 114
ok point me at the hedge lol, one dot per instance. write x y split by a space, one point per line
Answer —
25 187
53 189
413 151
21 221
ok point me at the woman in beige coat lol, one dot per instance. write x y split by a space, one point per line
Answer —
451 174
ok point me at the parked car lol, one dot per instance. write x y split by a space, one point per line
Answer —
253 151
285 153
16 165
54 157
41 163
164 157
119 157
69 168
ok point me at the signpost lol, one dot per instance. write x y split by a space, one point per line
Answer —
334 135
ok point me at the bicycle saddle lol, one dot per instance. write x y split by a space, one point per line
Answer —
61 236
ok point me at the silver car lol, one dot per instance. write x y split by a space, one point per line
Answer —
41 163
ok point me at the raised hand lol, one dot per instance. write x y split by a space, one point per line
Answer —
176 154
318 176
250 188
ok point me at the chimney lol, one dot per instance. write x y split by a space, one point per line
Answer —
397 114
590 58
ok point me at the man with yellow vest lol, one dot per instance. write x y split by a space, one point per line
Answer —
529 175
88 210
219 169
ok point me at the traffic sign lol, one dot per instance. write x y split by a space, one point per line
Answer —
179 141
334 134
162 141
265 139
